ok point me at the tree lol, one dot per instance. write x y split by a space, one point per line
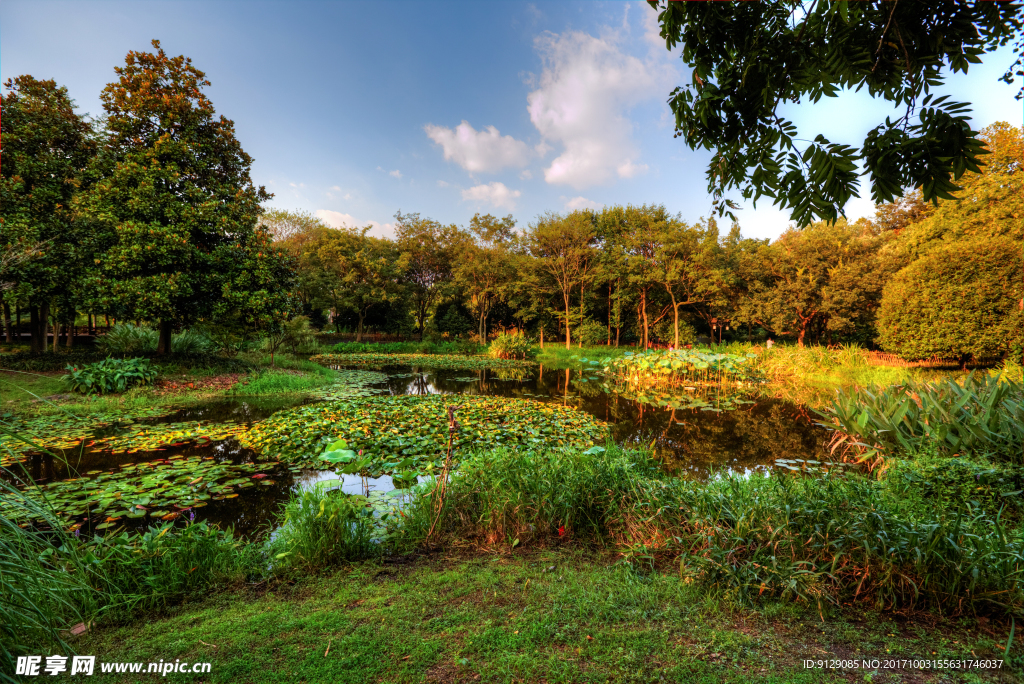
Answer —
174 196
46 147
433 250
747 58
367 271
565 248
961 300
825 279
483 272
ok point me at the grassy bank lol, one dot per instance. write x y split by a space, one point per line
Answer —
545 616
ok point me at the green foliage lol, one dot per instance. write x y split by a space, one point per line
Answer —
958 301
962 484
320 527
819 539
749 58
178 228
452 321
983 415
159 490
125 338
655 368
403 433
591 333
421 360
425 347
39 598
44 249
510 345
110 376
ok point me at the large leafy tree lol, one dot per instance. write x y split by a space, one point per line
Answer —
565 247
46 146
960 300
825 280
174 196
433 249
366 271
749 58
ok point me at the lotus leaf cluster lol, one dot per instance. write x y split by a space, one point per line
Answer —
445 361
160 489
408 434
158 435
677 368
351 383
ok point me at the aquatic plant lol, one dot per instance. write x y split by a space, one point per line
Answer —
510 345
408 433
677 368
160 489
110 376
981 414
423 360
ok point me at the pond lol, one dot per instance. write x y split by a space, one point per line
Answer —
694 436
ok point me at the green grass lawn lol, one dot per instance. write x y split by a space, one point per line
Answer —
547 616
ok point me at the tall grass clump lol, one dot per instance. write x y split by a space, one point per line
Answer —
163 565
278 382
848 365
982 414
125 338
45 584
510 345
322 526
823 539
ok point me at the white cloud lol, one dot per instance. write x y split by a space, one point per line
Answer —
476 151
581 203
336 188
582 100
339 220
525 174
395 174
492 193
442 184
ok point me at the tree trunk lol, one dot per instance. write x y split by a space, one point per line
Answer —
675 315
643 310
359 330
37 327
70 341
609 342
568 334
7 323
164 344
542 335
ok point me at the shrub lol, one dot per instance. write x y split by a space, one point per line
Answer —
510 345
959 301
110 376
125 338
591 334
192 342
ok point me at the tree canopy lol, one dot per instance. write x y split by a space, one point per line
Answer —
748 58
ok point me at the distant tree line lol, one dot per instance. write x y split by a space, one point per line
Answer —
149 213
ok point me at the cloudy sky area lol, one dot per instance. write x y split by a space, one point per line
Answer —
356 110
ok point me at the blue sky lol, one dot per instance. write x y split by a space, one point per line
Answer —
356 110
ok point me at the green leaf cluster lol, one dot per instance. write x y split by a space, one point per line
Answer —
110 376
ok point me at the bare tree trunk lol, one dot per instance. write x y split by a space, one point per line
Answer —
542 335
7 323
643 307
164 344
609 342
568 334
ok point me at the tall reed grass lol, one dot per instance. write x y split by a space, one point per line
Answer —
822 539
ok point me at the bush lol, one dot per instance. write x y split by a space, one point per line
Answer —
510 345
192 342
125 338
110 376
957 302
591 334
